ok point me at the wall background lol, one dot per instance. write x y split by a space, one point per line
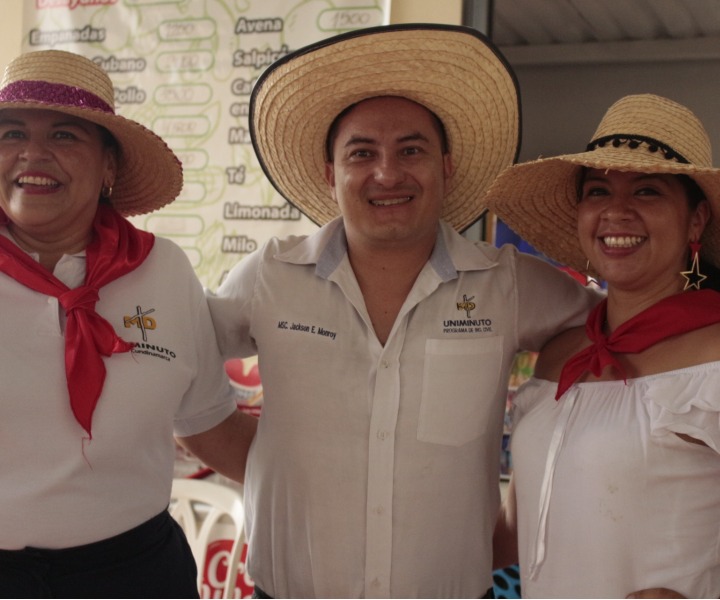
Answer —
563 95
10 25
403 11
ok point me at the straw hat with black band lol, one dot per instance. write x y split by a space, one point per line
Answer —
641 133
453 71
149 175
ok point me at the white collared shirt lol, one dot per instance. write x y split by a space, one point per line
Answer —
374 472
58 488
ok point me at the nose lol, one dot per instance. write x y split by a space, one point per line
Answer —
388 171
618 206
33 148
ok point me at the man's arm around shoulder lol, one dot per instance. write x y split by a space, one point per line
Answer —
225 447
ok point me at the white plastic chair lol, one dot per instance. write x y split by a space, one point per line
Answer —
199 507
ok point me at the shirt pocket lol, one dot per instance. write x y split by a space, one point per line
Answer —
460 378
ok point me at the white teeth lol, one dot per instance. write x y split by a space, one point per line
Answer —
627 241
390 202
33 180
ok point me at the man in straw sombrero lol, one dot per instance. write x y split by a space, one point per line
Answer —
107 347
385 339
616 441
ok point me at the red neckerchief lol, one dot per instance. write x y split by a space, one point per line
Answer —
117 249
671 316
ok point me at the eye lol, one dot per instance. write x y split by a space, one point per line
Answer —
647 191
11 134
359 154
64 134
411 150
594 191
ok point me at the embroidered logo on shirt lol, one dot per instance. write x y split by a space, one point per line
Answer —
144 323
468 324
140 319
467 305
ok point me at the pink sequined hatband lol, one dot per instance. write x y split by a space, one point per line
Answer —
52 93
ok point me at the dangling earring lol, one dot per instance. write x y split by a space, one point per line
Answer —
589 279
693 277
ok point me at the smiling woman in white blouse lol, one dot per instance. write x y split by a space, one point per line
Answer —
616 438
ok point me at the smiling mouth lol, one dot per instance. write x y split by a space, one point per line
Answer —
391 201
36 181
623 241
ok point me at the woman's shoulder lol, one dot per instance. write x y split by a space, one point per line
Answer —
558 350
695 347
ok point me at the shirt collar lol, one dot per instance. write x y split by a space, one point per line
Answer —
327 247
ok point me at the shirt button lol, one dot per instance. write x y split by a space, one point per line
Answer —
381 435
379 510
385 364
375 582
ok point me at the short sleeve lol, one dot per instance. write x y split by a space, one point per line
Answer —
686 402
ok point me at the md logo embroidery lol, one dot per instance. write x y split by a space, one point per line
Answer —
467 324
467 305
141 320
144 323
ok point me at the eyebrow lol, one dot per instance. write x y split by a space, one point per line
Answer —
411 137
80 123
639 177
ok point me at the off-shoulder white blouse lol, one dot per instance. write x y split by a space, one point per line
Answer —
610 500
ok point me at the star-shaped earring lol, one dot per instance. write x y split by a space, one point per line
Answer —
693 277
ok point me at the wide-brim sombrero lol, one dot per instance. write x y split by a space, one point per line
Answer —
149 174
454 71
641 133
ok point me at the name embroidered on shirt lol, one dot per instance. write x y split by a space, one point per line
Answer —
314 329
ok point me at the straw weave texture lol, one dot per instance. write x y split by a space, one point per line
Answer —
149 173
452 71
538 199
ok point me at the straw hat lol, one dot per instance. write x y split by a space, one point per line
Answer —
149 174
453 71
641 133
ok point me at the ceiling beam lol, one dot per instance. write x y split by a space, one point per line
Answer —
707 48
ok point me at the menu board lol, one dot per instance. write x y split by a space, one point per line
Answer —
186 69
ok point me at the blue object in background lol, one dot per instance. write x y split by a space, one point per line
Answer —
505 235
506 582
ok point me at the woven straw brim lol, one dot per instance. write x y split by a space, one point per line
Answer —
149 173
453 71
538 200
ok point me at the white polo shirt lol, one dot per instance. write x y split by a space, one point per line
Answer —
375 468
57 487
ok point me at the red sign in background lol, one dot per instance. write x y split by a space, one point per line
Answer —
215 572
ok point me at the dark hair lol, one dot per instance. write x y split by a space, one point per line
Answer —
333 129
109 141
695 196
711 272
693 191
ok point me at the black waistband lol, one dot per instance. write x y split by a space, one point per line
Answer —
258 593
128 541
